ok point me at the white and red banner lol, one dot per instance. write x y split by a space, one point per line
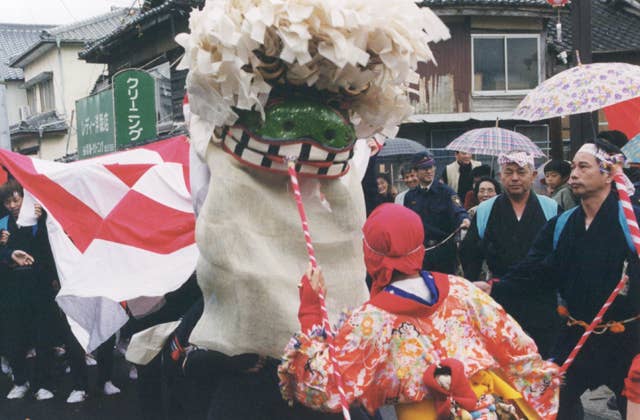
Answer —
121 227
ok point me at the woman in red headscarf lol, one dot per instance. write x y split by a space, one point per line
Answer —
431 344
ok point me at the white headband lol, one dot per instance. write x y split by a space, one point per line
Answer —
521 159
606 159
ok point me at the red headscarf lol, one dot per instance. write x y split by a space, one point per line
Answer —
393 237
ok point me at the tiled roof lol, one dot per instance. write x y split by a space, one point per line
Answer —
90 29
83 31
615 27
15 39
501 3
49 121
134 21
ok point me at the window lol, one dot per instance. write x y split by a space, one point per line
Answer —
47 102
164 110
32 100
40 95
505 64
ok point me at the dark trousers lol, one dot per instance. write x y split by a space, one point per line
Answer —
442 259
76 358
256 396
26 310
167 392
604 360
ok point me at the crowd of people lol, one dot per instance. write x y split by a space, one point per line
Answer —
31 324
507 300
550 259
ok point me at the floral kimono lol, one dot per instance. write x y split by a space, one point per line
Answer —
384 348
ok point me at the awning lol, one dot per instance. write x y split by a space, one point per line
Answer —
459 117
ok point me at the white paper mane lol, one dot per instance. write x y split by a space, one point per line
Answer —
367 50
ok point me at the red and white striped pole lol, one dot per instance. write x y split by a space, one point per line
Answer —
630 217
312 257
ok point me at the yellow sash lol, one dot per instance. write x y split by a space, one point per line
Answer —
482 383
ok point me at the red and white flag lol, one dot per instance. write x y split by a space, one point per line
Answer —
121 226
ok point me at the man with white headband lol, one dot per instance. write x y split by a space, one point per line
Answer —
501 234
582 254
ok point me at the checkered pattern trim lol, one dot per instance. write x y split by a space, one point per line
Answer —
311 158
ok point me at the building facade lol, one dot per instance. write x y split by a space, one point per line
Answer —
54 78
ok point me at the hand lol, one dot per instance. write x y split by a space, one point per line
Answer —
374 146
484 286
21 258
466 223
4 237
316 279
37 209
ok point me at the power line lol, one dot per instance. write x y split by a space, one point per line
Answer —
67 9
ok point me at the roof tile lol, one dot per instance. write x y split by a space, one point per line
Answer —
444 3
613 28
15 39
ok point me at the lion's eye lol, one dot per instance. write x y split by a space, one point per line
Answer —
329 134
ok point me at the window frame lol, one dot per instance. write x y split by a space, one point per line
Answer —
505 37
47 101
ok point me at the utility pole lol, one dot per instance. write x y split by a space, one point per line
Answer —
583 126
5 139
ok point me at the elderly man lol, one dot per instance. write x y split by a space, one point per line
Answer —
501 233
441 212
457 174
583 254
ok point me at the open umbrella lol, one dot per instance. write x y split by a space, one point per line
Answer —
580 89
632 150
401 147
493 141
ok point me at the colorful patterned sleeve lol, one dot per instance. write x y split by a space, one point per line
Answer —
306 371
516 353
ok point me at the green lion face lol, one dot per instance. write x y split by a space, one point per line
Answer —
300 120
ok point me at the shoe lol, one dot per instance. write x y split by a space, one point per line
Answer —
110 389
90 360
133 373
5 366
59 351
31 354
76 396
18 391
43 394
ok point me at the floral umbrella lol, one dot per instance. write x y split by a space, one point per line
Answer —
493 141
584 88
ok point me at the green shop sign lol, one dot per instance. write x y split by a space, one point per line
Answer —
135 107
95 125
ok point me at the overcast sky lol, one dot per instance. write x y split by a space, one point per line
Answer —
56 11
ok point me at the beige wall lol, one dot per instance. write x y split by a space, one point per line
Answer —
16 97
51 147
72 79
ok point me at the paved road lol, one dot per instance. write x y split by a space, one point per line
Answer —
125 405
97 407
